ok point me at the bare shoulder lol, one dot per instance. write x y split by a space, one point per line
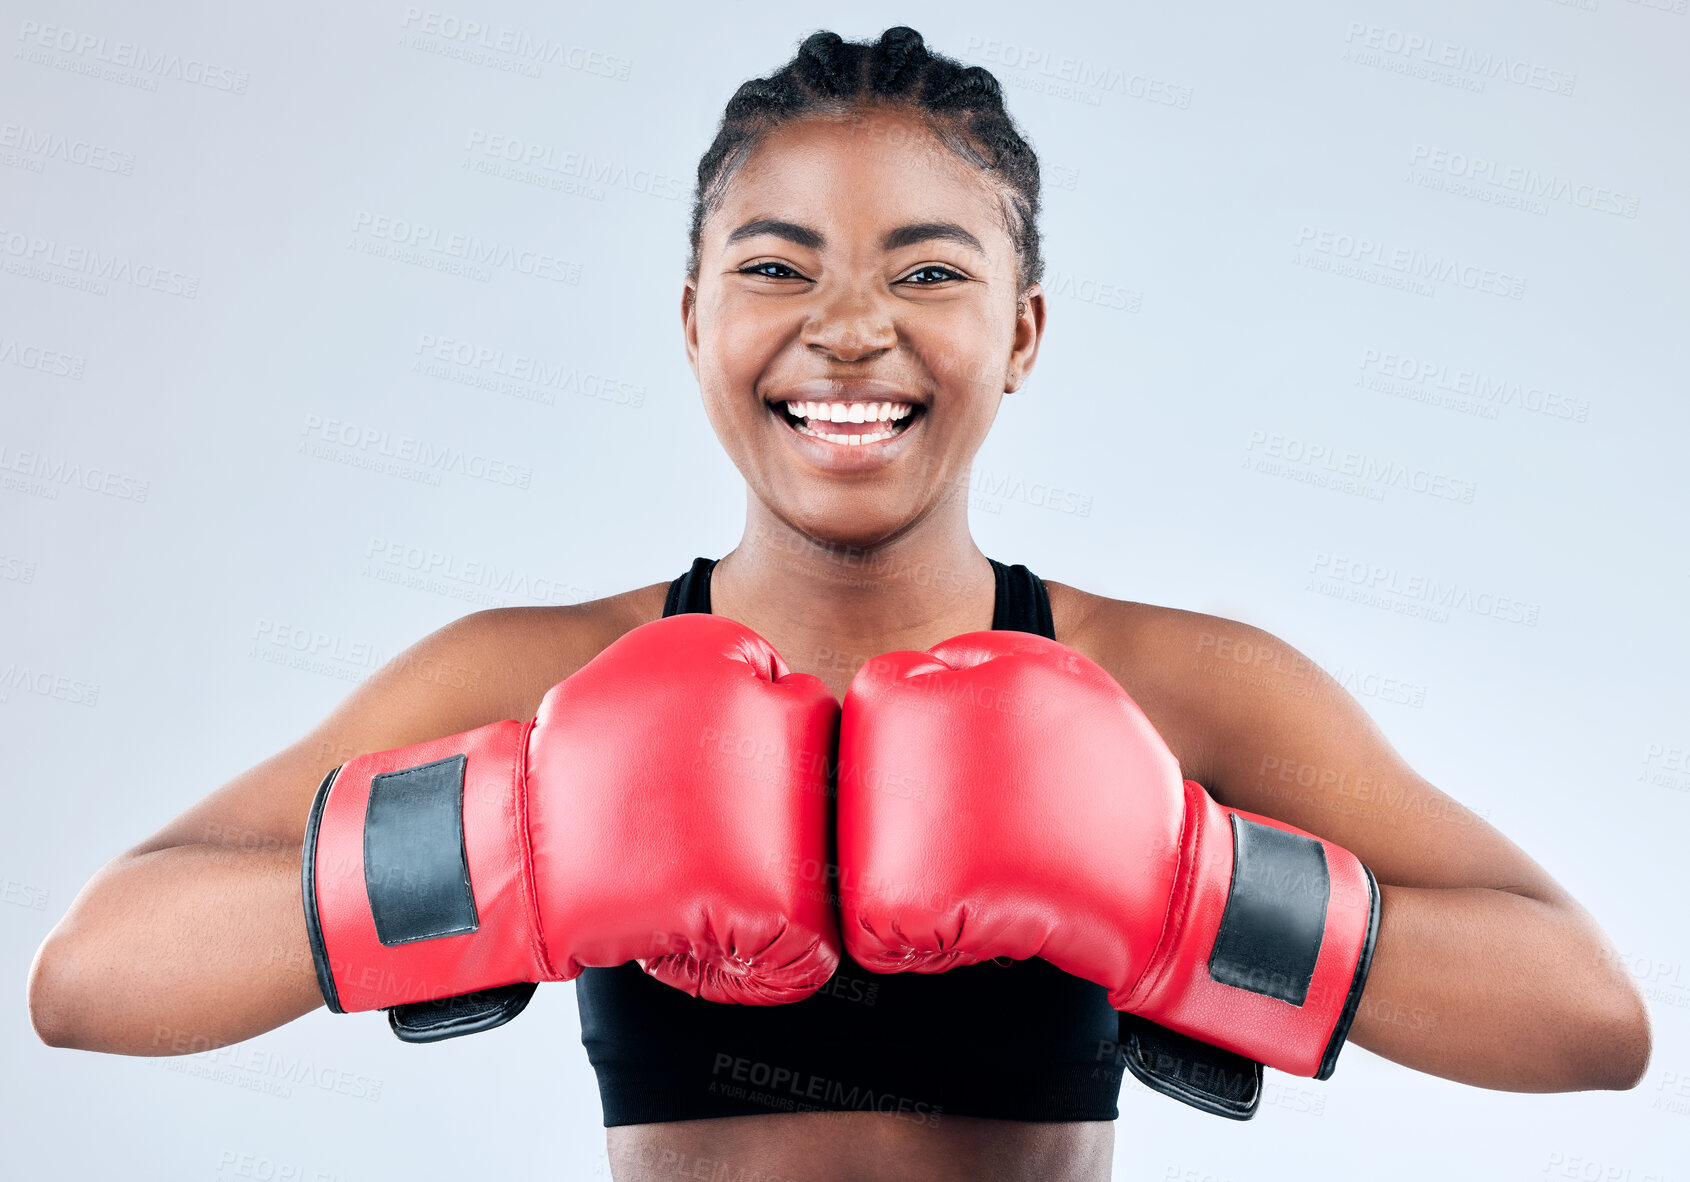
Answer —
1266 729
518 653
480 668
1195 675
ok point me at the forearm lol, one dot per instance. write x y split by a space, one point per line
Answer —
1500 991
175 951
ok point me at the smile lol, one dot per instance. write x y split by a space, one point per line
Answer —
848 424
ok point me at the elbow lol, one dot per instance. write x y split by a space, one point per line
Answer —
51 1010
1631 1058
58 1008
1621 1041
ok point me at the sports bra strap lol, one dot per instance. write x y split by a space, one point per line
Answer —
1022 603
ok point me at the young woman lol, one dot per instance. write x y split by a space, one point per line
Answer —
862 291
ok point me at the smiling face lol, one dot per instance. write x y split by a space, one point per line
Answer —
855 322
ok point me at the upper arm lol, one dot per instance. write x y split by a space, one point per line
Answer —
1266 730
476 670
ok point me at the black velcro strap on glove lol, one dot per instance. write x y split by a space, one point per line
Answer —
1275 919
1190 1071
468 1013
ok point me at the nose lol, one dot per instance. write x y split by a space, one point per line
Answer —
850 324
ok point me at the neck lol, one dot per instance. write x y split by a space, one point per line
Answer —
828 607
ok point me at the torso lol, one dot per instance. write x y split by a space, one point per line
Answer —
829 1146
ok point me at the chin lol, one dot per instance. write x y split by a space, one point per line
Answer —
845 519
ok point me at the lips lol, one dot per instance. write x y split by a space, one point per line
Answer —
846 426
849 424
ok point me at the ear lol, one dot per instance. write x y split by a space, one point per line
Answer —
1029 331
689 323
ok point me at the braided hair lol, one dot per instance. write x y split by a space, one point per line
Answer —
962 105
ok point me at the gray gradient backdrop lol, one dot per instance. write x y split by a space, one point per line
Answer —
1367 327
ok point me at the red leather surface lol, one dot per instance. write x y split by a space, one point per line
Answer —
679 815
1178 992
369 976
1001 795
669 804
1021 837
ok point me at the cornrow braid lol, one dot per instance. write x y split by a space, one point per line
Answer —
962 105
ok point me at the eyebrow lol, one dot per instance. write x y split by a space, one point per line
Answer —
900 237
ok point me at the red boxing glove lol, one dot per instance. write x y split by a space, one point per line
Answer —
1002 796
649 813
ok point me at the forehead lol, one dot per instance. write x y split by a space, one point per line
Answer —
875 167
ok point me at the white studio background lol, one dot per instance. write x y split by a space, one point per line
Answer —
1368 327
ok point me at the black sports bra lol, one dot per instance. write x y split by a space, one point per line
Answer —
1013 1041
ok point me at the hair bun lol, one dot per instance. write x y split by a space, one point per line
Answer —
821 66
903 39
900 55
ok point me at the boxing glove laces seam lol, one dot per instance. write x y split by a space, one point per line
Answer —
519 797
1178 914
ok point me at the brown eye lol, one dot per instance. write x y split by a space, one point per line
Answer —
940 275
767 270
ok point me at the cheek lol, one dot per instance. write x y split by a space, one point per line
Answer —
969 353
738 344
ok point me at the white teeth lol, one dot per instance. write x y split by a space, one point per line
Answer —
851 412
848 440
815 413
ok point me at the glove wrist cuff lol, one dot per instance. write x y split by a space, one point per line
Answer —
1274 941
1364 963
415 873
